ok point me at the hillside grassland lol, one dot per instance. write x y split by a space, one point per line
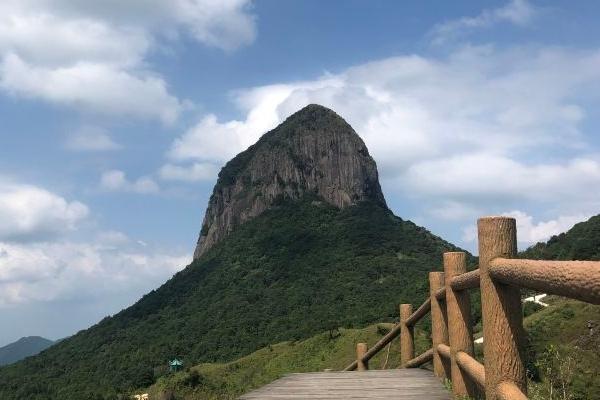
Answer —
563 351
327 350
562 326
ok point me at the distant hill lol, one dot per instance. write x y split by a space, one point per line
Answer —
581 242
24 347
297 240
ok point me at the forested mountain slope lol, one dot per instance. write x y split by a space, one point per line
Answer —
318 256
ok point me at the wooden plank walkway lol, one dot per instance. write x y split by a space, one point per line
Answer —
399 384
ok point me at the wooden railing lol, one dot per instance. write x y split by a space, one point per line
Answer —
500 277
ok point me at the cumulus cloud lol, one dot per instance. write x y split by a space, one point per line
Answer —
192 173
530 232
517 12
223 24
215 141
31 213
454 211
116 180
99 60
66 270
485 176
46 255
102 88
91 138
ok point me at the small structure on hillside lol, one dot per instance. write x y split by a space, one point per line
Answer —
175 365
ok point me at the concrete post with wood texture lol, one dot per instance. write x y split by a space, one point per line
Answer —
460 332
439 326
361 350
407 337
503 333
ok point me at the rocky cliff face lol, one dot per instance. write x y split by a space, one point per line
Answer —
314 151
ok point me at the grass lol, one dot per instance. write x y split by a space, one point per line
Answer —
320 352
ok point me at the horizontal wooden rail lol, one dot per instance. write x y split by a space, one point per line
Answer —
578 280
500 276
440 294
420 313
443 350
420 360
391 335
472 368
509 391
352 366
468 280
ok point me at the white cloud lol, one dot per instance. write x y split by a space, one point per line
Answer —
90 138
112 238
75 271
29 213
99 58
211 140
224 24
454 211
116 180
517 12
192 173
485 176
40 261
97 87
113 180
77 38
530 232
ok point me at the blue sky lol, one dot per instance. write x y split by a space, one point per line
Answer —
116 117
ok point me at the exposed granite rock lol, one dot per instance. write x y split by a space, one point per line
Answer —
313 151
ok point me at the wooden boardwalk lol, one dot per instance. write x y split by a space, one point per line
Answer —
400 384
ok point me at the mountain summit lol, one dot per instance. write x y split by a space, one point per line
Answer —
313 151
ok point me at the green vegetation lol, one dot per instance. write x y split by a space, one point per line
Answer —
24 347
323 351
299 269
565 361
566 355
582 242
563 358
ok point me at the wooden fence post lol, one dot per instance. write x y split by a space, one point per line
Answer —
407 338
439 326
503 335
460 331
361 350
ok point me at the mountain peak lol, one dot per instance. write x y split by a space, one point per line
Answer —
314 113
313 152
